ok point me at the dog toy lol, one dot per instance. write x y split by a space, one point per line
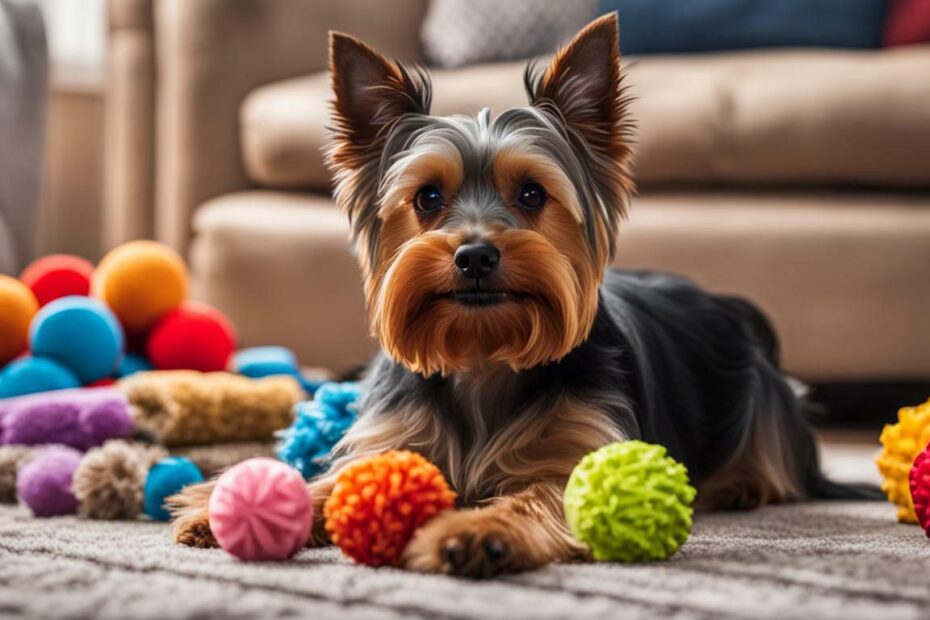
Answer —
29 375
78 418
189 408
11 459
378 502
261 510
44 483
109 481
17 307
131 364
193 336
81 333
56 276
629 502
901 443
167 477
318 425
259 362
919 480
141 281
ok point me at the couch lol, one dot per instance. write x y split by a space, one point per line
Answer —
798 178
23 74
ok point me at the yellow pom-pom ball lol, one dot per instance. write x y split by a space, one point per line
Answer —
17 307
902 442
141 281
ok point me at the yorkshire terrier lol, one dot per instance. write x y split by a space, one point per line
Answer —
509 349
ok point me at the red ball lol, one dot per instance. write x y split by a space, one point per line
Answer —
920 488
58 275
194 336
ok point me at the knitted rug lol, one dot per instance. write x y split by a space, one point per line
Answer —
819 560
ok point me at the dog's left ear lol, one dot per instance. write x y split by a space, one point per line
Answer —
583 83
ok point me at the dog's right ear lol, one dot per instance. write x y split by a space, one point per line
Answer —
371 92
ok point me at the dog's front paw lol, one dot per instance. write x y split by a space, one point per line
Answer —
193 532
467 543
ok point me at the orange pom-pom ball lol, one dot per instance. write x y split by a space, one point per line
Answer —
380 501
56 276
141 281
17 307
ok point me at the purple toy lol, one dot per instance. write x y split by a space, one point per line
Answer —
78 418
44 483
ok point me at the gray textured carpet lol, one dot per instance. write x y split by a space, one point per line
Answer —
844 560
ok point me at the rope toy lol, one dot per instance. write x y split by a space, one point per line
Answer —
629 502
380 501
318 425
902 442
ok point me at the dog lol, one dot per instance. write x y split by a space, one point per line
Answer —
509 349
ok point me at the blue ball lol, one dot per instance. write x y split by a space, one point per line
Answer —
258 362
81 333
167 477
35 374
131 364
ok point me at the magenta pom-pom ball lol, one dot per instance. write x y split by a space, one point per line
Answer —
44 483
194 336
261 510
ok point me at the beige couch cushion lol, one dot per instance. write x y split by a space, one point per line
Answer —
774 117
823 266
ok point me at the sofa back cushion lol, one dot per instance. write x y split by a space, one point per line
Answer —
825 118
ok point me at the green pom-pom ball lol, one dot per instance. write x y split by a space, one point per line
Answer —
630 502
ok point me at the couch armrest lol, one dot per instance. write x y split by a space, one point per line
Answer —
208 55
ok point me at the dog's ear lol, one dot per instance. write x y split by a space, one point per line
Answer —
583 84
371 92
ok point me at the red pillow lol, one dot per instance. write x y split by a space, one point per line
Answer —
906 22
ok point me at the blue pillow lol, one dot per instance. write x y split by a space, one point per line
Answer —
681 26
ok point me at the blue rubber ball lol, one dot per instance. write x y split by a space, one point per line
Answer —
131 364
258 362
167 477
35 374
81 333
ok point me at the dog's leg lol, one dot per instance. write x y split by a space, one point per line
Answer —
511 534
320 490
190 522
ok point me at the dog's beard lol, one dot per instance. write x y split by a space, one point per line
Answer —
538 308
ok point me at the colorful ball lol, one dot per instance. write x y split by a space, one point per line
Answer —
57 276
901 443
629 502
44 483
261 510
193 337
82 334
919 480
31 375
167 477
380 501
17 307
141 281
258 362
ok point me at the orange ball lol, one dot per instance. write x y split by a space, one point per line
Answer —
378 503
141 281
17 307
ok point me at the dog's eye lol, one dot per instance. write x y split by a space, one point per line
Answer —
532 197
428 199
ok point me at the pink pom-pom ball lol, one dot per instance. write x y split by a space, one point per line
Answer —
261 510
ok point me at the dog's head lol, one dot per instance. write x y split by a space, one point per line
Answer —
482 240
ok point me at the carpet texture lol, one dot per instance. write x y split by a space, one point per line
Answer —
840 560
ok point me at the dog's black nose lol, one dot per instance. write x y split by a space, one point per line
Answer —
477 260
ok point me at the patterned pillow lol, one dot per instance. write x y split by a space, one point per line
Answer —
463 32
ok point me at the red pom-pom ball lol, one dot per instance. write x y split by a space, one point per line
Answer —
380 501
58 275
194 336
920 488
